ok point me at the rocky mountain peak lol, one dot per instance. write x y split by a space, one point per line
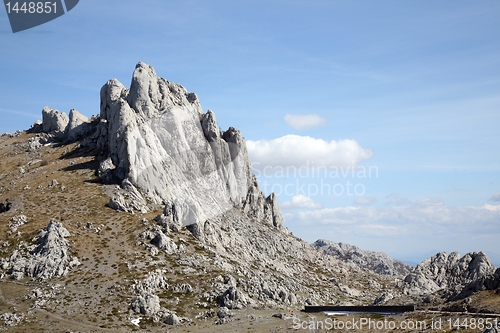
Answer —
448 272
150 95
156 142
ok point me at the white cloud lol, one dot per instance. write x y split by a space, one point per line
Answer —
495 197
430 218
304 121
417 230
492 208
301 201
305 151
365 201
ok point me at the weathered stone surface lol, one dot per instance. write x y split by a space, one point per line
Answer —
232 298
448 272
127 199
377 262
37 127
51 258
486 282
146 303
159 140
53 121
17 221
78 126
164 243
105 171
172 319
223 312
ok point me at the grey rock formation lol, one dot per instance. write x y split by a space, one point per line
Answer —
164 243
11 319
17 221
157 149
383 299
486 282
172 319
51 258
147 302
223 312
127 199
78 126
232 298
377 262
448 272
105 171
37 127
156 138
156 141
53 121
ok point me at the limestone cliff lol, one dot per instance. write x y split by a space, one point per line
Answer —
157 139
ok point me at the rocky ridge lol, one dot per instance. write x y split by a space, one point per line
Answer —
452 274
50 258
156 142
377 262
198 242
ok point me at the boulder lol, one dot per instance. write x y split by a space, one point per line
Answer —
172 319
78 126
53 121
146 303
50 259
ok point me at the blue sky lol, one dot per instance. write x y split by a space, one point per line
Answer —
411 88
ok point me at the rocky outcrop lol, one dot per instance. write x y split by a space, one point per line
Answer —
53 121
156 138
486 282
448 272
377 262
156 142
79 126
49 259
57 127
15 222
148 303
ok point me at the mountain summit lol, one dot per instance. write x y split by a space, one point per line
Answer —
157 139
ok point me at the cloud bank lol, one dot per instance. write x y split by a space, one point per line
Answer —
430 218
305 151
